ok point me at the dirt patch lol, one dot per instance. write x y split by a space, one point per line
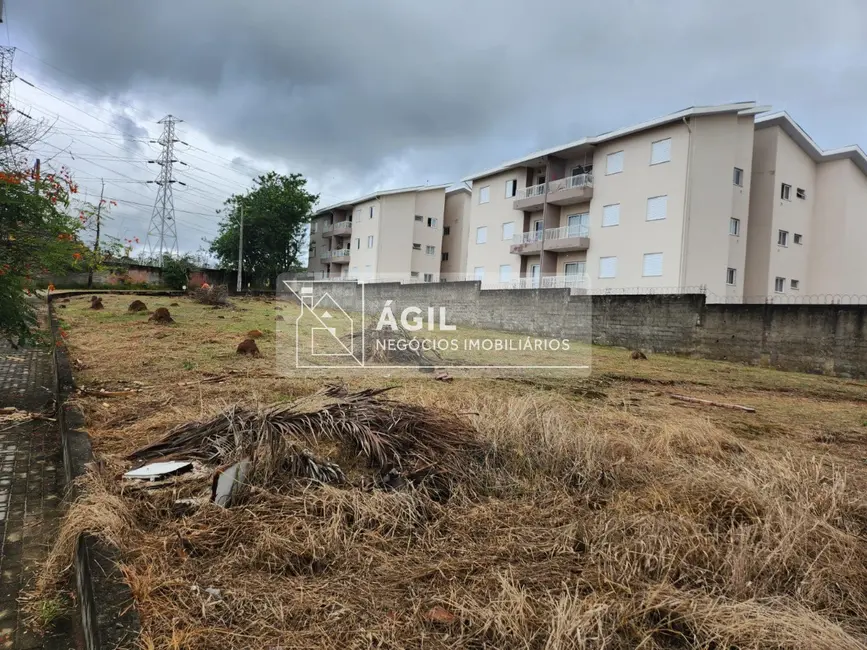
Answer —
254 334
248 347
137 306
161 315
96 303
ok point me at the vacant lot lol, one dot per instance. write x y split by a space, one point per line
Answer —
490 513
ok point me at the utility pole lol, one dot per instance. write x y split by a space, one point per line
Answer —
36 171
239 288
162 234
96 243
6 79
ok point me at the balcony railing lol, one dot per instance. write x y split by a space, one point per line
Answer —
342 225
571 182
528 192
528 237
324 255
576 282
576 230
343 252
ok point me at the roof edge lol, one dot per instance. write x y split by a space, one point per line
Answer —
378 193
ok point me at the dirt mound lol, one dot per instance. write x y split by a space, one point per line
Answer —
161 315
174 304
248 346
279 318
63 306
254 334
638 354
65 300
96 303
136 306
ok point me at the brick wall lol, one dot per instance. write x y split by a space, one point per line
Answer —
828 339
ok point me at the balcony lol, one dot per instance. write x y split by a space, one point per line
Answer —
572 189
529 198
557 240
527 243
339 229
324 255
340 256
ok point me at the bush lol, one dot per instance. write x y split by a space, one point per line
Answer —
176 271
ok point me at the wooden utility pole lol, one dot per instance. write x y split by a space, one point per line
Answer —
96 242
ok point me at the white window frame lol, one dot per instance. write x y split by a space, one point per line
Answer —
662 199
731 277
783 238
413 274
617 157
430 250
735 227
482 235
313 227
511 185
602 263
661 148
798 238
370 241
432 222
485 194
615 210
479 274
416 247
511 231
738 177
644 263
785 192
371 212
800 193
795 285
508 273
428 277
358 243
781 283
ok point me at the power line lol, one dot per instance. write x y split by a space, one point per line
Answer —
163 227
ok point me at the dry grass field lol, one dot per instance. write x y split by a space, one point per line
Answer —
593 513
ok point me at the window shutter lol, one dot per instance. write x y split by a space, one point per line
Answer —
611 215
607 267
652 265
615 162
656 208
660 152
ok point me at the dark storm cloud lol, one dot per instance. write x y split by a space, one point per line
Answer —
134 134
398 88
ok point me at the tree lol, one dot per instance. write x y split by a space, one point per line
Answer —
103 248
276 213
177 270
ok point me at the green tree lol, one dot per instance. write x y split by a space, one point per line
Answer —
276 213
177 270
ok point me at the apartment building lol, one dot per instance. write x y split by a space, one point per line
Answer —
456 234
391 234
661 204
808 215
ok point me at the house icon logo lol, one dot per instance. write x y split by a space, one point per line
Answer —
324 332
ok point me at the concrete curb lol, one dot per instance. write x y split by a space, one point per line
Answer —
108 615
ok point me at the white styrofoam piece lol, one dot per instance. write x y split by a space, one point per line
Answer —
158 470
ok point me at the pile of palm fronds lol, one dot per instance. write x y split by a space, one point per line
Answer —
216 295
403 442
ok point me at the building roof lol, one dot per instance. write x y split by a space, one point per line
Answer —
461 188
794 131
374 195
538 158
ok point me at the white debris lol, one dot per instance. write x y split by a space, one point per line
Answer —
156 471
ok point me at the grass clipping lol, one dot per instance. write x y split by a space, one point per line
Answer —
559 529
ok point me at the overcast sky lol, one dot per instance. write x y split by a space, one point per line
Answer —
360 96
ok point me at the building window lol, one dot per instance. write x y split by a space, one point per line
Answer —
574 269
509 231
734 227
607 267
652 265
582 169
795 284
731 277
798 239
511 188
416 247
614 163
418 217
357 213
370 241
783 238
786 192
357 243
780 285
479 273
313 251
444 257
413 274
660 151
801 193
430 250
431 222
611 215
738 177
313 227
505 273
657 206
485 194
371 213
446 230
481 235
428 277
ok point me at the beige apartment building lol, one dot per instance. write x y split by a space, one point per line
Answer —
808 215
388 235
662 204
456 234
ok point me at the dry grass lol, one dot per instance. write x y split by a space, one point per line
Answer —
600 514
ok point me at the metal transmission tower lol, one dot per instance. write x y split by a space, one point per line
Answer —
7 76
163 232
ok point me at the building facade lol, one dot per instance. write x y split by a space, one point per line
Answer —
456 234
388 235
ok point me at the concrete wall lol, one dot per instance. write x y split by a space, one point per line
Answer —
829 339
